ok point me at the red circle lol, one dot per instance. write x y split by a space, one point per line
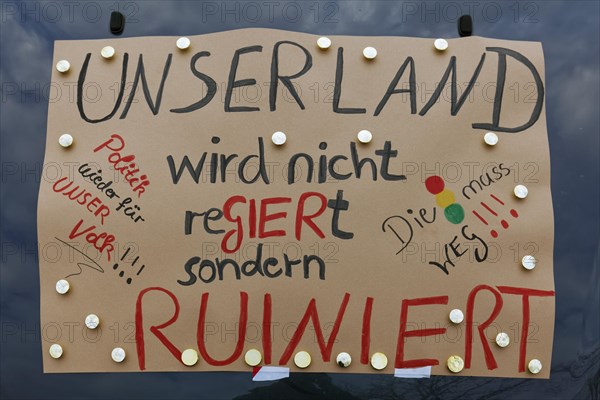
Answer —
434 184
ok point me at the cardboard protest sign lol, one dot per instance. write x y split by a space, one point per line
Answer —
180 224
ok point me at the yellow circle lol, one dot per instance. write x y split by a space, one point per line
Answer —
302 359
253 357
444 198
189 357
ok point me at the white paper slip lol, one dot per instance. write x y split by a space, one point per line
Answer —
415 373
270 373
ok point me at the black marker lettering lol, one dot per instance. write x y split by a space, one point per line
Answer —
211 86
154 107
286 80
232 83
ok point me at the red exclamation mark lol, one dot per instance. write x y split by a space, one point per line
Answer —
503 222
513 212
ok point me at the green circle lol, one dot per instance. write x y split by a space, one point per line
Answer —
454 213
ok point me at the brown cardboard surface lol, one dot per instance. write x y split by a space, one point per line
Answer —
369 265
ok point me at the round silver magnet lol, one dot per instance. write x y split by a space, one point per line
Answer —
118 354
364 136
107 52
65 140
534 366
528 262
455 364
56 351
253 357
370 53
323 42
302 359
343 360
521 191
62 286
490 138
92 321
456 316
440 44
189 357
63 66
183 43
278 138
502 339
379 361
